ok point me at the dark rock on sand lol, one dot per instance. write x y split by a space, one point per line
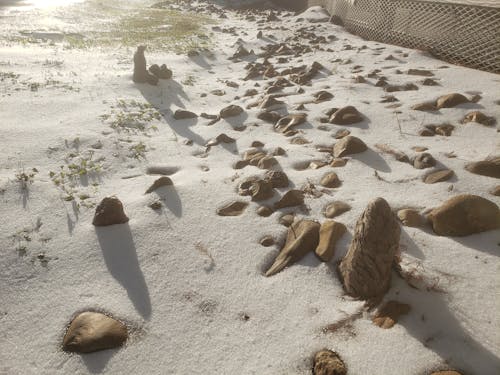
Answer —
329 233
327 362
348 145
109 212
489 167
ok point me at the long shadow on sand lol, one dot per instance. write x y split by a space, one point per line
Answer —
97 361
120 255
437 328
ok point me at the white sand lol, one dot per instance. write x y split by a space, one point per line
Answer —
183 276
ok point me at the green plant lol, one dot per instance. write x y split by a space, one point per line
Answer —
138 151
26 178
132 117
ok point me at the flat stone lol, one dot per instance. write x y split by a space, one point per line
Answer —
92 331
182 114
231 111
464 215
290 199
232 209
329 233
302 238
267 241
438 176
109 212
425 106
335 208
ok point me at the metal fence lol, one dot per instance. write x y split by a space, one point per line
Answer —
461 34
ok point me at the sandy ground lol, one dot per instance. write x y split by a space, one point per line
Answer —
190 284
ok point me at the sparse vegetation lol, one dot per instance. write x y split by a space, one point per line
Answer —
26 178
132 116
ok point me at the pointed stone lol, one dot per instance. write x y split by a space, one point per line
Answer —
302 238
366 269
109 212
232 209
162 181
92 331
349 145
290 199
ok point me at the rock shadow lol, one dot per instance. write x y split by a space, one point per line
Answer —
120 255
437 328
96 362
373 160
486 242
166 93
172 200
409 246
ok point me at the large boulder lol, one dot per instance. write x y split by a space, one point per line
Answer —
366 268
92 331
464 215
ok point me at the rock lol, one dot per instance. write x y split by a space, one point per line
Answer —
161 72
410 218
230 111
330 180
261 190
426 132
278 179
182 114
257 144
338 162
141 75
287 219
451 100
162 181
446 372
464 215
327 362
438 176
240 164
444 129
91 331
232 209
267 241
335 208
224 138
495 191
317 164
429 82
322 96
420 72
290 121
366 269
278 151
264 211
251 92
388 315
423 160
346 116
341 133
299 141
489 167
270 101
302 238
426 106
348 145
290 199
218 92
419 148
267 162
109 212
269 116
479 117
329 233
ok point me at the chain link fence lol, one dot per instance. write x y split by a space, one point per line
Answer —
461 34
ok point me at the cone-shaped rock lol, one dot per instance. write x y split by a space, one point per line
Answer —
91 331
366 269
464 215
327 362
162 181
109 212
302 237
329 233
290 199
348 145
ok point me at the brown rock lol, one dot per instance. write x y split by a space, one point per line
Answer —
267 162
287 219
495 191
338 162
317 164
464 215
278 179
289 121
322 96
290 199
423 160
335 208
302 237
299 141
426 106
329 233
348 145
162 181
419 148
341 133
446 372
438 176
264 211
91 331
451 100
269 116
489 167
182 114
109 212
270 101
278 151
479 117
389 314
230 111
420 72
257 144
366 269
267 241
240 164
327 362
261 190
444 130
346 116
330 180
232 209
410 218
